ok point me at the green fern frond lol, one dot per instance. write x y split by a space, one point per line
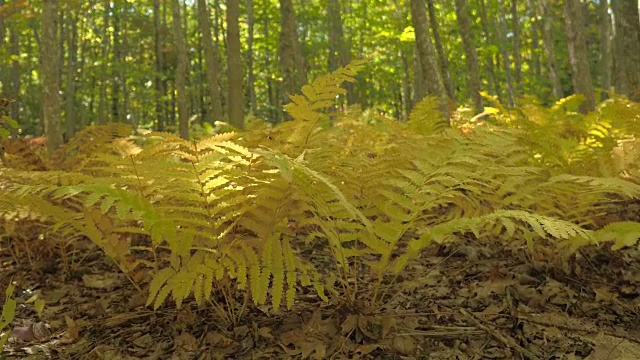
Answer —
623 233
426 117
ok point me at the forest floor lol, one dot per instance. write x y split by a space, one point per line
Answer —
464 301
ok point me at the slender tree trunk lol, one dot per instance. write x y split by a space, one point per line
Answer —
627 41
275 110
124 51
50 75
14 75
443 59
290 55
419 90
406 85
547 42
62 36
334 16
504 53
70 91
473 72
535 40
159 68
580 73
605 46
102 99
494 87
182 99
427 58
234 64
251 76
3 34
517 54
117 63
338 51
211 60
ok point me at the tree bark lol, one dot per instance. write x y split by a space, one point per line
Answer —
473 72
605 46
337 54
535 40
116 64
338 51
50 63
211 61
431 80
580 73
14 75
70 91
504 53
290 55
122 73
102 100
234 64
547 42
627 42
443 59
517 55
251 76
182 100
494 87
160 89
3 34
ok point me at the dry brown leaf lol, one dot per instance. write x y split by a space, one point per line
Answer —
72 334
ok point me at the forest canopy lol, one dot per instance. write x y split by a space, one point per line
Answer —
171 64
319 179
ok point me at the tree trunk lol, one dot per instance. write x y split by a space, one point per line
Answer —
14 75
442 57
406 86
290 55
251 77
122 73
547 41
234 64
116 51
274 109
473 72
182 99
431 80
627 42
338 52
494 87
159 67
3 34
418 83
535 40
70 91
50 75
605 46
580 73
517 55
102 100
211 61
504 53
336 35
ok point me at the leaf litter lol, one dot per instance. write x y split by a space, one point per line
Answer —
463 300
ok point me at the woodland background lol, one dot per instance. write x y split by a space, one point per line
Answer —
322 178
173 65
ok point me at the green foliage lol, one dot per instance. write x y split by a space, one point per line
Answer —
426 117
240 212
8 312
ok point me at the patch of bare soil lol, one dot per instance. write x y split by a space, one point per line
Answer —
463 301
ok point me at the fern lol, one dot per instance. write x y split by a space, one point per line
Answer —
251 211
426 118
